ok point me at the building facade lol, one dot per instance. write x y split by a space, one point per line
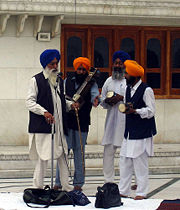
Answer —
148 30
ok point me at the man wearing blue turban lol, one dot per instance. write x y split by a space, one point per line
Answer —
112 95
48 55
123 56
45 108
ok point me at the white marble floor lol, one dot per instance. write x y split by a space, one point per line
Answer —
166 186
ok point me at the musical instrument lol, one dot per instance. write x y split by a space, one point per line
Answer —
80 139
110 94
86 86
125 107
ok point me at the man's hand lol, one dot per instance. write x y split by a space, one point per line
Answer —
117 98
49 118
130 111
75 105
114 99
96 101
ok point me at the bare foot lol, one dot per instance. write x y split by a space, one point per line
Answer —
138 197
123 196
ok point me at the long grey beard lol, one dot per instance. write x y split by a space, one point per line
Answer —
117 75
52 75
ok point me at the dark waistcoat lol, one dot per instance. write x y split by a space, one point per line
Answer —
84 112
136 127
37 123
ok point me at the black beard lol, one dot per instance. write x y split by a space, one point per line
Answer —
131 80
80 78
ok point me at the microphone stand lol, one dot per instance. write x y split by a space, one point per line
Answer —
52 138
52 153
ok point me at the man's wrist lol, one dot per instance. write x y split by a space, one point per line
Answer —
43 112
137 111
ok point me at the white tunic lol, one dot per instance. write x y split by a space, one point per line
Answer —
134 148
115 120
40 143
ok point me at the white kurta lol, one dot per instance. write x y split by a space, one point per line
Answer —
134 153
133 148
115 120
40 144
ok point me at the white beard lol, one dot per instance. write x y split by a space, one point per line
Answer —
117 75
52 75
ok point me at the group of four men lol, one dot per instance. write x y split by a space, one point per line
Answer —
132 130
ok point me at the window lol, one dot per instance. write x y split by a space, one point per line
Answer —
154 80
128 41
127 45
175 63
101 53
153 53
176 53
73 45
153 60
157 49
74 49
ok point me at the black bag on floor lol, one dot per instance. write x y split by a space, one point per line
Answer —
108 196
79 198
46 197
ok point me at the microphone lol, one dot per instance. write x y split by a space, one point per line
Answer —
59 75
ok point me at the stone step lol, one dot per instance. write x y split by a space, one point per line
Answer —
95 160
28 173
15 161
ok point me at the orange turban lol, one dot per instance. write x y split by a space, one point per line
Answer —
133 68
85 62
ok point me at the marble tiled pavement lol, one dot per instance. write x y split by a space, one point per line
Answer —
166 186
163 184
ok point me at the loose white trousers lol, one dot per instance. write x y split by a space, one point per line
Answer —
139 166
108 162
40 169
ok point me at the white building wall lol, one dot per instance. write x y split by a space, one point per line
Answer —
19 61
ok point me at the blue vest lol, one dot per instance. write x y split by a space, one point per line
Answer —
136 127
84 112
37 123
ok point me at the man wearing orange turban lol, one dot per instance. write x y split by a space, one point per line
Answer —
72 83
140 128
82 61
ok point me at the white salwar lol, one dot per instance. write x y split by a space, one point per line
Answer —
134 153
40 143
114 126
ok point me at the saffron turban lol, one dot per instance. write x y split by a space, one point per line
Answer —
48 55
133 68
123 56
85 62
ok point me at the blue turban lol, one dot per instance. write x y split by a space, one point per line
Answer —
48 55
123 56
